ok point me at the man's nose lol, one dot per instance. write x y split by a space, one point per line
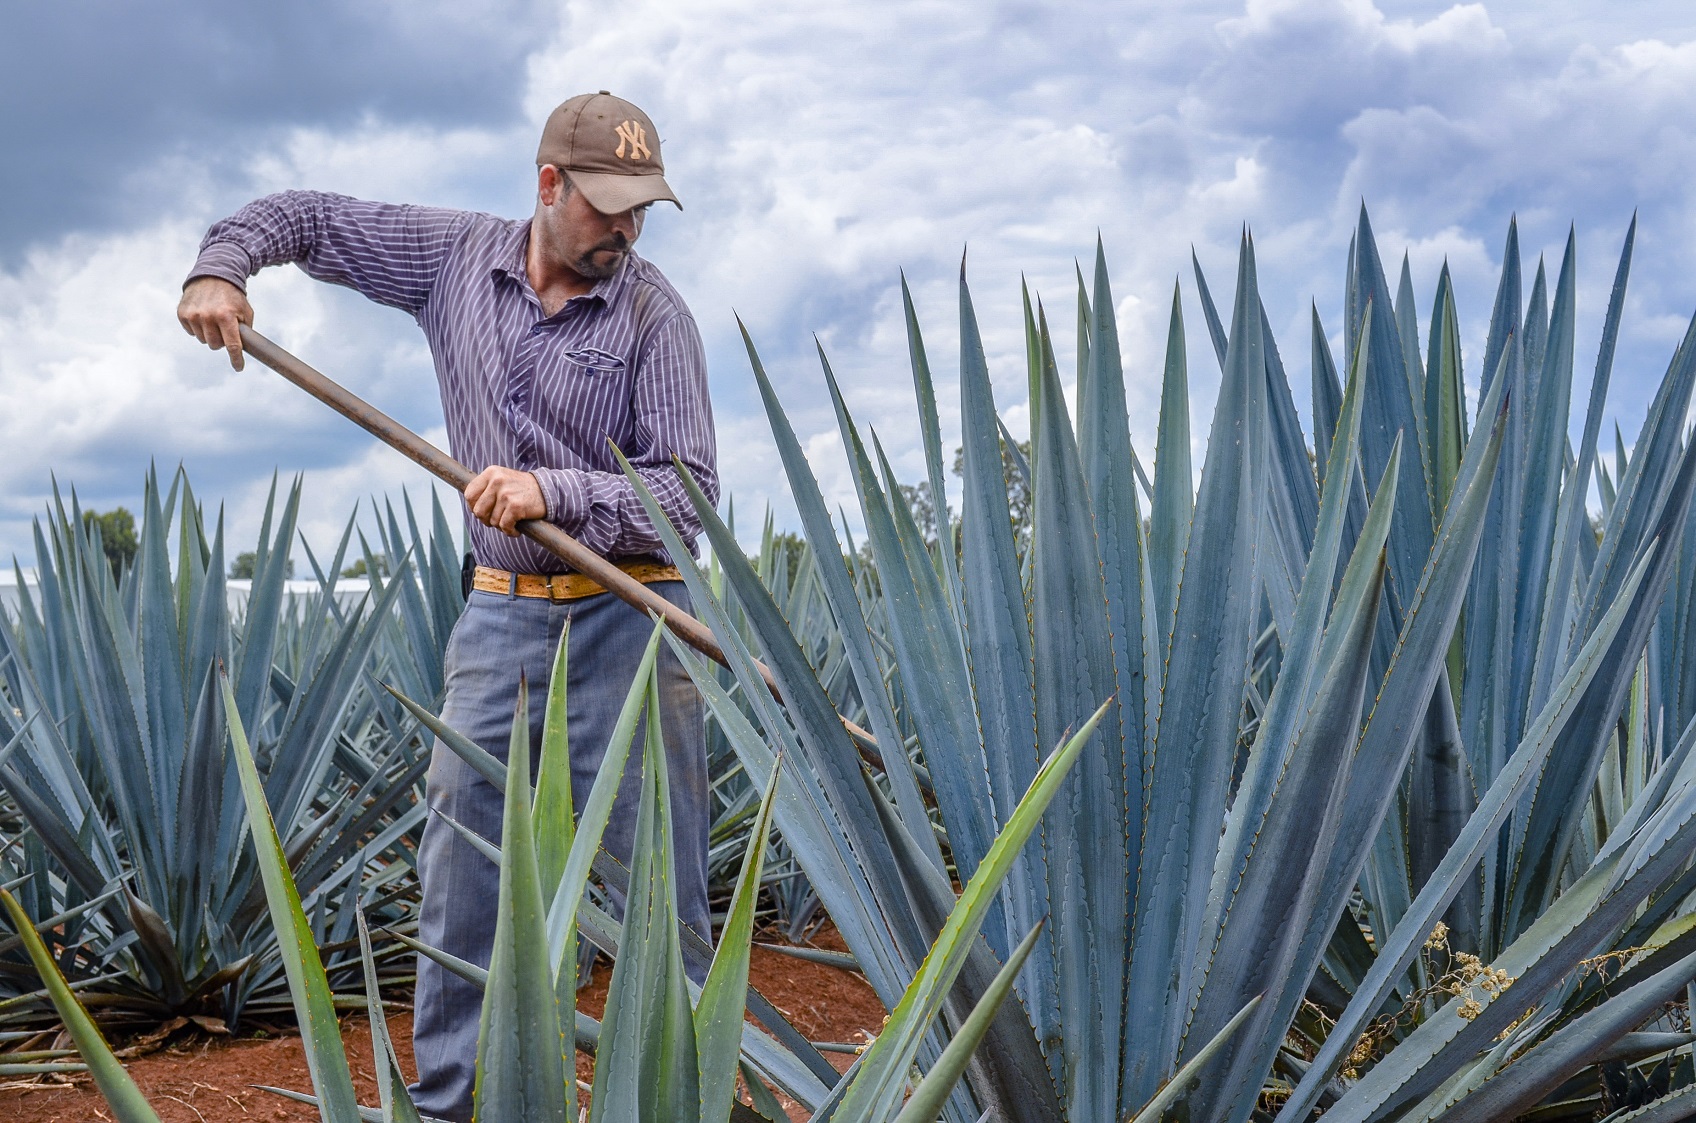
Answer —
625 223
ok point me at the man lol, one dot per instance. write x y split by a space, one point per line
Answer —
550 339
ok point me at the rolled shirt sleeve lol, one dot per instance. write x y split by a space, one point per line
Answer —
674 425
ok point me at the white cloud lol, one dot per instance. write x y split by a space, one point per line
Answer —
820 149
100 380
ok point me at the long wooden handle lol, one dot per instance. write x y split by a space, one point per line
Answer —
456 475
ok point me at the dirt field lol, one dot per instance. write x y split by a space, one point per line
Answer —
194 1077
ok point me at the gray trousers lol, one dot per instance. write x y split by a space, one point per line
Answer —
496 639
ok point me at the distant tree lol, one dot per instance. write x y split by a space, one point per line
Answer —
924 511
117 536
241 569
919 501
793 547
359 568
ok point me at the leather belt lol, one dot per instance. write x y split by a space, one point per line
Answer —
559 587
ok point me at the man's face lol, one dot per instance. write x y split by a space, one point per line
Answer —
580 237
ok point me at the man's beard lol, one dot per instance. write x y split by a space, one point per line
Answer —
587 266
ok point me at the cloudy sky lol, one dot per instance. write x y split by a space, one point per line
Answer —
820 149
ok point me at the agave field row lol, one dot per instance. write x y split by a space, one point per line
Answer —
1368 755
121 829
124 830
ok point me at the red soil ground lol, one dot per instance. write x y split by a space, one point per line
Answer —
198 1078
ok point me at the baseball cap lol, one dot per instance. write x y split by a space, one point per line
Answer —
610 150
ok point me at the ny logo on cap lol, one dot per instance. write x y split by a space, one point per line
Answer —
637 137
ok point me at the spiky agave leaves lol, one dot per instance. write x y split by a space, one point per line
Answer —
522 1067
931 991
1447 881
121 730
657 1058
648 1063
395 1101
127 1103
315 1012
1245 886
876 1090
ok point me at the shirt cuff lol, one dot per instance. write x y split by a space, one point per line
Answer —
564 493
225 260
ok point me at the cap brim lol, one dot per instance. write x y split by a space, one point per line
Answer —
611 193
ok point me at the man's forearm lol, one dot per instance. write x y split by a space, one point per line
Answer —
389 253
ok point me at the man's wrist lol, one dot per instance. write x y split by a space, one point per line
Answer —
226 261
562 494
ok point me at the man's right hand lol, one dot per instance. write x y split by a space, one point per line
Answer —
212 311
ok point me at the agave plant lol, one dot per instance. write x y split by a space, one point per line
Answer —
1351 692
121 801
667 1049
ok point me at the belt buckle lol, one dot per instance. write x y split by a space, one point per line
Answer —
560 595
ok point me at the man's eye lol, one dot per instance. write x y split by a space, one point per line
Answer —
642 210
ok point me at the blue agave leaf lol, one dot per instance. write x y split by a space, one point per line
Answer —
1174 483
1201 702
1445 393
930 429
1505 315
252 671
1294 495
1535 338
1644 478
1104 450
1074 671
165 695
1210 313
1407 330
999 654
1327 395
1572 524
520 1065
1390 410
647 1067
1544 457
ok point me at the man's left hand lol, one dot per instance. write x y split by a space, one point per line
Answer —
502 497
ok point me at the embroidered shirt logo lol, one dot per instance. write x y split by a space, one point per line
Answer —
629 132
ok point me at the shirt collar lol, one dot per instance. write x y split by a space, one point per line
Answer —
510 263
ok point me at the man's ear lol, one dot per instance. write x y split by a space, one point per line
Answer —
548 184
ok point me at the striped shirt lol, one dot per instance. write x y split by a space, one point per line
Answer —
542 394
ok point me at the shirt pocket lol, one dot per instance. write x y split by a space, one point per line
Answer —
583 400
592 362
